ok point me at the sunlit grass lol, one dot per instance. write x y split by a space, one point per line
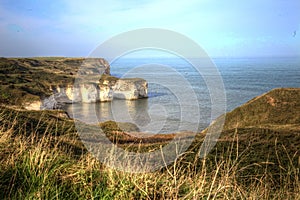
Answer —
44 166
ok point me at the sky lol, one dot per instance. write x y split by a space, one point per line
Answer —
227 28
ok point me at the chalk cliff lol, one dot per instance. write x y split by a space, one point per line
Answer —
131 89
104 90
49 82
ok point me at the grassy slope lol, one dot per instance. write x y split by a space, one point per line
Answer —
265 131
279 108
269 121
48 161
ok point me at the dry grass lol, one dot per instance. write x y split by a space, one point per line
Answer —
39 166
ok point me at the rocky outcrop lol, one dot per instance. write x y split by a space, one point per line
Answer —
106 89
89 93
35 105
105 93
131 89
26 80
47 83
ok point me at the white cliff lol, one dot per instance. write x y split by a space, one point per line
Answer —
105 93
73 93
91 92
131 89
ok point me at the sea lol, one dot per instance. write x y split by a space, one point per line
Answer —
185 97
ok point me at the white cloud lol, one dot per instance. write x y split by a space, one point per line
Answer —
214 24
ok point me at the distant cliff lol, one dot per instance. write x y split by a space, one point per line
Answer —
46 83
106 88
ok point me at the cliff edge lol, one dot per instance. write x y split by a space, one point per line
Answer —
46 83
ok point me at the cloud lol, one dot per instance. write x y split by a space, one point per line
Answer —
76 27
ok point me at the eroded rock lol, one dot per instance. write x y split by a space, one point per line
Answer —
131 89
93 83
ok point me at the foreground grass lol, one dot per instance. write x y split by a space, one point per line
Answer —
42 166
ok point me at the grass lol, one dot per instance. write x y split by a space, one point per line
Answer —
277 107
47 163
42 156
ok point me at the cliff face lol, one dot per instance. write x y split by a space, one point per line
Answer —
130 89
107 90
46 83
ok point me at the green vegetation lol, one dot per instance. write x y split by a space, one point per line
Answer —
267 126
110 79
279 108
42 167
42 157
110 126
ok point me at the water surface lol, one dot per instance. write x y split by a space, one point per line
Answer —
244 79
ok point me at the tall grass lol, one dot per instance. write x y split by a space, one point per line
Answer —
41 166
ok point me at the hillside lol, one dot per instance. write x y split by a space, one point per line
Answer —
264 131
42 157
278 109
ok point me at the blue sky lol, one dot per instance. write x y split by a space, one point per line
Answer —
228 28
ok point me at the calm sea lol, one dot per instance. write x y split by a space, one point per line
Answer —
179 98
